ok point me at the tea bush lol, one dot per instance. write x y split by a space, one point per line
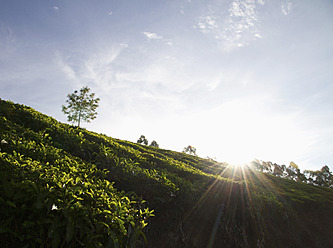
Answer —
63 186
51 199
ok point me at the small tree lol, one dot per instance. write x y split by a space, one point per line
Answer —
81 106
190 150
154 144
142 140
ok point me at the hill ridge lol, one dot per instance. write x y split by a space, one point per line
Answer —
196 202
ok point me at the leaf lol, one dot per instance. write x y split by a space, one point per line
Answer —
56 240
69 230
9 191
28 224
104 224
11 204
107 212
113 240
4 229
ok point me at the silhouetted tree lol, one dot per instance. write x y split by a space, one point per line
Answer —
309 175
81 106
190 150
267 167
211 159
154 144
278 170
322 177
142 140
257 165
294 173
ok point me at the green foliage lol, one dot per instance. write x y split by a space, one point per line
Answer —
142 140
154 144
64 186
323 177
81 106
190 150
50 198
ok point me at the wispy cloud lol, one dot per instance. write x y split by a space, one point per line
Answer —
237 29
7 41
64 67
241 26
56 8
97 68
100 68
207 24
152 36
178 77
286 8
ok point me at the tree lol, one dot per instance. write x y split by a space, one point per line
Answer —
81 106
278 170
142 140
257 165
267 167
323 177
294 173
309 175
154 144
190 150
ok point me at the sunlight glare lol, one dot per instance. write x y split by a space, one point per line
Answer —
244 129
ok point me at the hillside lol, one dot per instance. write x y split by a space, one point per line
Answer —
63 186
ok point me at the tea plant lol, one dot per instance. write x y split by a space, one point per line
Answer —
64 186
51 199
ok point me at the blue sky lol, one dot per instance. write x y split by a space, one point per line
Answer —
236 79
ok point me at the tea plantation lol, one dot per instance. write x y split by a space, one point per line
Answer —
63 186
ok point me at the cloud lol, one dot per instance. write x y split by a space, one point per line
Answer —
258 36
64 66
152 36
110 13
7 32
56 8
7 41
237 28
286 8
123 45
207 24
128 86
97 68
241 26
100 68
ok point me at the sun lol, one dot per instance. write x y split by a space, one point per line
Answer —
238 158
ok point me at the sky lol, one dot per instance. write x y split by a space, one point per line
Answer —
235 79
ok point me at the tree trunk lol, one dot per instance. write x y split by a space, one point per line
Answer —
78 122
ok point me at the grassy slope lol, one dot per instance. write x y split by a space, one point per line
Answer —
197 202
